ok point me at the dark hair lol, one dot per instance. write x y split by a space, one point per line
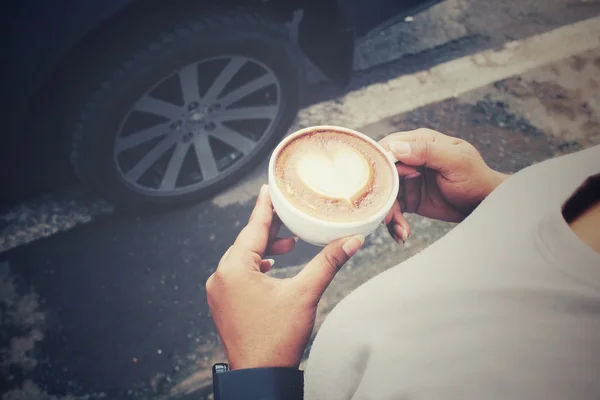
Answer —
584 197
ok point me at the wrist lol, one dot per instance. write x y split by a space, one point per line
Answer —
496 178
262 362
492 180
499 178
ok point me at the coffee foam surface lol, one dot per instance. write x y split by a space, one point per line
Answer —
333 175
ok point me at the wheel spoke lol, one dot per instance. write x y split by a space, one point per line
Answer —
206 159
158 107
169 180
234 139
188 79
137 138
263 112
149 159
248 88
234 65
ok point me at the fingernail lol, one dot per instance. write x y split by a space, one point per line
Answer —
413 175
270 261
352 245
400 148
296 238
401 233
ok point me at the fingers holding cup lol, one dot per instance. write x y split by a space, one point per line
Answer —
254 237
316 276
281 246
397 225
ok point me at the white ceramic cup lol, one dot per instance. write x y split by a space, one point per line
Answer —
317 231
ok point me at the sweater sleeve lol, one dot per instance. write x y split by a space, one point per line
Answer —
274 383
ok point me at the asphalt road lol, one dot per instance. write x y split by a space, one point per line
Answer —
116 307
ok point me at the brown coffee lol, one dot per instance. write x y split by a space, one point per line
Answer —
334 176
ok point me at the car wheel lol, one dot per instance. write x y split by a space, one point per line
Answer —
189 113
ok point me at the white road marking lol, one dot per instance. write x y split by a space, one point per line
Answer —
47 215
447 80
461 75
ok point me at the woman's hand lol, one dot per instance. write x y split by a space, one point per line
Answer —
441 177
264 321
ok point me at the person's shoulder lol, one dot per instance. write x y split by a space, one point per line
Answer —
579 163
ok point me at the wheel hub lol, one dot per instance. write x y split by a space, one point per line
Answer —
197 119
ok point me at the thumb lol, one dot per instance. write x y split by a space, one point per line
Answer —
434 155
316 276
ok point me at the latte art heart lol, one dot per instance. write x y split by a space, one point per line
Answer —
343 175
334 176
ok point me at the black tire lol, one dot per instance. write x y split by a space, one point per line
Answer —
165 50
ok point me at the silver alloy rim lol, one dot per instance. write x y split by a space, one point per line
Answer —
223 116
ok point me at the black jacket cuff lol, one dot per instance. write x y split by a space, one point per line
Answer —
273 383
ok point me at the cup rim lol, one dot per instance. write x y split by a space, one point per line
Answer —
336 224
